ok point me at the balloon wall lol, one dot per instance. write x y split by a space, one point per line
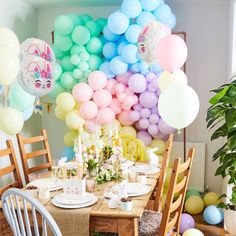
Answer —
124 69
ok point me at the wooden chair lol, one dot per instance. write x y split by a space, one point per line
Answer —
25 157
155 203
156 223
13 168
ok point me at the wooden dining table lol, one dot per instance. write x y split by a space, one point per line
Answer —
104 219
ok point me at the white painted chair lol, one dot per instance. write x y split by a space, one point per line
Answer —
19 217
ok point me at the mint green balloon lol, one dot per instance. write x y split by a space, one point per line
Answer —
66 64
63 25
192 192
94 46
94 28
102 22
57 89
94 62
58 53
63 43
86 73
83 66
83 80
77 73
80 35
67 80
75 59
85 18
19 98
77 49
74 18
57 70
84 56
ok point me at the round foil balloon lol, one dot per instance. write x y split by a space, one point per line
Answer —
37 47
36 76
148 39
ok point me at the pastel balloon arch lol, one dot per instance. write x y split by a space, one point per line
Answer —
122 71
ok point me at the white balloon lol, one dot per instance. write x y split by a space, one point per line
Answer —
168 79
178 105
9 39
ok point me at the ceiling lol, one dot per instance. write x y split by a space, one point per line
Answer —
43 3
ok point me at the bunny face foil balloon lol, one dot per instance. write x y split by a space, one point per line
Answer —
36 76
36 47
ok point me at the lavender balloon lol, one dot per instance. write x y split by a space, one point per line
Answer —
151 88
153 129
186 222
165 128
138 107
150 76
154 118
145 137
137 83
148 99
154 110
144 123
145 112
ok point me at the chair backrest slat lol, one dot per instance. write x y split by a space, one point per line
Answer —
38 212
25 156
161 179
175 207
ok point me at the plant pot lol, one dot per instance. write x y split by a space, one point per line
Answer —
229 221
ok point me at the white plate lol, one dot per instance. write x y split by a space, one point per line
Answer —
68 199
134 189
146 169
51 183
57 204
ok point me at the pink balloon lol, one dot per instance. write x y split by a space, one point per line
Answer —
144 123
124 118
91 126
171 52
97 80
128 102
116 106
137 83
145 137
145 112
111 85
134 116
154 118
120 88
137 126
82 92
88 110
153 129
128 91
124 78
165 128
102 98
106 116
121 97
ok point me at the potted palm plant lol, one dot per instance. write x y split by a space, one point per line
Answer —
221 118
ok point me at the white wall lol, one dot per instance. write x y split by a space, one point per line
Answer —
207 25
22 19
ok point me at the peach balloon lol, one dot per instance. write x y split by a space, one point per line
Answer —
88 110
82 92
106 116
97 80
111 86
116 106
124 118
102 98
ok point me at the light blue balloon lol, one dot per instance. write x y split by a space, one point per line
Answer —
68 152
135 68
118 22
163 13
27 113
108 35
109 50
144 18
118 66
150 5
172 21
105 68
121 46
213 215
131 8
130 54
155 67
132 33
143 65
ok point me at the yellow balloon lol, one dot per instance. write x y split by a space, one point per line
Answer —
69 138
194 205
11 120
65 101
211 198
168 175
193 232
163 200
9 65
73 120
159 144
168 79
59 113
9 39
128 130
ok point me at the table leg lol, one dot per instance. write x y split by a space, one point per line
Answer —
128 227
